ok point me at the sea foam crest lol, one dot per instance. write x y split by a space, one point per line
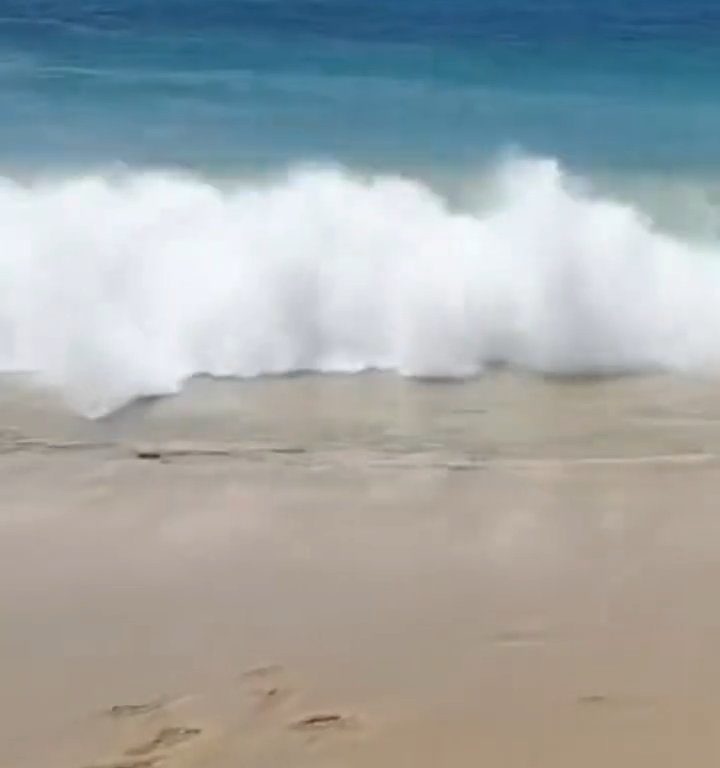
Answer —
114 288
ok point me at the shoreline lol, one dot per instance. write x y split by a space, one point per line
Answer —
433 575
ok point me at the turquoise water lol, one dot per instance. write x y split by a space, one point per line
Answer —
430 187
406 84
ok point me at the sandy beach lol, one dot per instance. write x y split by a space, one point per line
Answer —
353 572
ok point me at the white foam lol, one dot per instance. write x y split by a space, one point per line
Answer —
117 288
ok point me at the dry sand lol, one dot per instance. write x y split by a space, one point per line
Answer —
363 572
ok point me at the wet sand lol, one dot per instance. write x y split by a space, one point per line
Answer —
330 572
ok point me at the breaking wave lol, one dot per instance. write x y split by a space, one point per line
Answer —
113 288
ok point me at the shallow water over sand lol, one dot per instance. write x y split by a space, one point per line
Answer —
511 571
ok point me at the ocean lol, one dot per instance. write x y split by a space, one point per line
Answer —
237 188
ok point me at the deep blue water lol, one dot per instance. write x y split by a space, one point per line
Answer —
406 84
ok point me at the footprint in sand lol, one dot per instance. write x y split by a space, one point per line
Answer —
319 722
136 710
166 738
142 756
149 763
614 703
323 721
268 685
